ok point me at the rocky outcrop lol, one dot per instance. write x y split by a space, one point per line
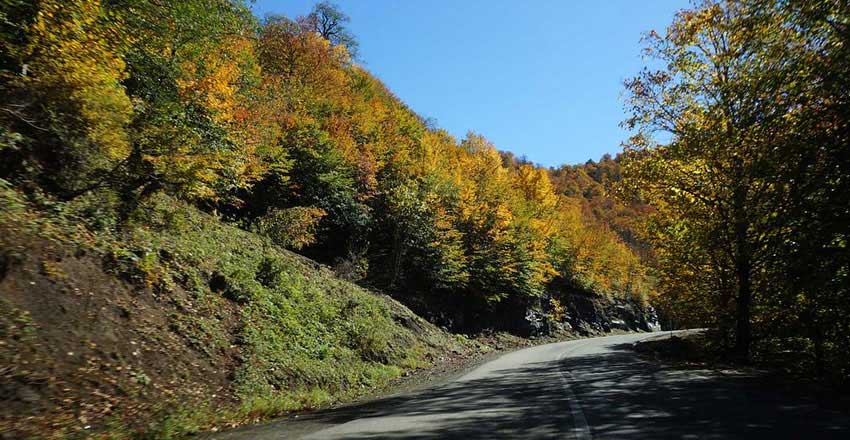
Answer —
590 313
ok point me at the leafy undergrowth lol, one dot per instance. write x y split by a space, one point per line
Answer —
788 370
181 323
706 348
693 348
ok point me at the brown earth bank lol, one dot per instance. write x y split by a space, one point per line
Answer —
83 349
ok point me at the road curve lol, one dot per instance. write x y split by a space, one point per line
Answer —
586 389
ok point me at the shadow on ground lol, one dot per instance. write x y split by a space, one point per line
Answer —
621 396
626 397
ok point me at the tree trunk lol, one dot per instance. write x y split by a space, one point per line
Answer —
818 339
743 266
743 333
396 257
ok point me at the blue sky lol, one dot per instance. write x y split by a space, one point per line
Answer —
540 78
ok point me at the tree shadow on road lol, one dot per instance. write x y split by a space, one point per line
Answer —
621 395
625 396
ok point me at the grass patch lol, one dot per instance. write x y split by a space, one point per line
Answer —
301 327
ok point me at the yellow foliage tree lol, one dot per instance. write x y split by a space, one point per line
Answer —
74 64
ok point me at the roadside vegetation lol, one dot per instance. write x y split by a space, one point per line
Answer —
186 323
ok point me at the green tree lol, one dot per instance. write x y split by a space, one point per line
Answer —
815 258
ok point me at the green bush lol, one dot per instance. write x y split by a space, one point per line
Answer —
303 330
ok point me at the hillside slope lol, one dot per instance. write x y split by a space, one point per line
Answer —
151 193
145 332
277 127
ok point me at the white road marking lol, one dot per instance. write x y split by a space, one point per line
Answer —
580 429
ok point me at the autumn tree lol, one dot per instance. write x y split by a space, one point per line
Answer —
711 176
738 103
189 67
272 125
66 95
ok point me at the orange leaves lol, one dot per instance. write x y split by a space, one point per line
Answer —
212 77
302 59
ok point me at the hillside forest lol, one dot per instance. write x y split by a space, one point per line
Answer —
208 158
272 126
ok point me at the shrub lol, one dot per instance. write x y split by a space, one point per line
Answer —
292 228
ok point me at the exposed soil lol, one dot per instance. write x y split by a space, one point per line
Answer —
86 350
83 348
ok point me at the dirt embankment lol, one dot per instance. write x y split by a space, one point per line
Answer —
82 348
87 352
193 328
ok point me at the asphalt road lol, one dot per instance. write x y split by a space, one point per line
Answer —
592 388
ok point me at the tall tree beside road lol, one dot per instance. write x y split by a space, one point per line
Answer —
736 147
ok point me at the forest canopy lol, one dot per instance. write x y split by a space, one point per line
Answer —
273 125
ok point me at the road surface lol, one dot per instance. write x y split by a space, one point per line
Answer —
592 388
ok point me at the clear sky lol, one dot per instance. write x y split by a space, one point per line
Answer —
542 79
